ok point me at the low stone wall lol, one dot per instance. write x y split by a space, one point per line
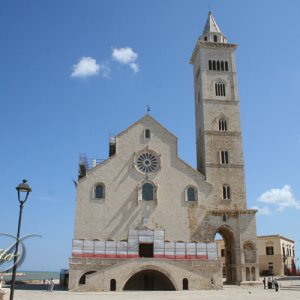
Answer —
201 274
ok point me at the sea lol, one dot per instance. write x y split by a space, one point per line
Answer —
31 275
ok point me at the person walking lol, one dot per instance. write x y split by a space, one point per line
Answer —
51 285
48 285
264 282
269 283
276 285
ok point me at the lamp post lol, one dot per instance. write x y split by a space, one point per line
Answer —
23 192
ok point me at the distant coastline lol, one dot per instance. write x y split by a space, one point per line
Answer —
28 276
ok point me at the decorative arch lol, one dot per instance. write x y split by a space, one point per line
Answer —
148 270
82 279
227 234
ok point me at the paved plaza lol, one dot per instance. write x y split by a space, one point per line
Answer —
288 292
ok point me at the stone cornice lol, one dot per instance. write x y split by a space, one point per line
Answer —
222 133
215 101
223 166
232 212
202 44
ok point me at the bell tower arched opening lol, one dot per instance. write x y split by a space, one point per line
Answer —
227 253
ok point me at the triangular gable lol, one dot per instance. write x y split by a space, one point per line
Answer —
146 117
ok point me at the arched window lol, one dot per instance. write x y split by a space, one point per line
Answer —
191 194
99 191
205 38
220 89
253 277
218 66
215 38
214 65
226 192
226 65
147 191
225 217
185 284
222 66
147 134
113 285
248 278
209 65
222 125
224 157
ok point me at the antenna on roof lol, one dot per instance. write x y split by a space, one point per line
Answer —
148 109
209 10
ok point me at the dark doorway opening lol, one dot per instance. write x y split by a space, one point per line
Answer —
149 280
113 285
185 284
228 254
146 250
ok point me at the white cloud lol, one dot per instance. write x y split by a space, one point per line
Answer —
87 66
262 210
282 198
126 56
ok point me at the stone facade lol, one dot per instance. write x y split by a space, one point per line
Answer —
147 220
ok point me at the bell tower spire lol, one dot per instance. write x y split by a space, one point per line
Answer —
212 32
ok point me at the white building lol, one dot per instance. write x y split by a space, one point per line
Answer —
147 220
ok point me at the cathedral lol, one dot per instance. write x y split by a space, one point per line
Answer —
146 220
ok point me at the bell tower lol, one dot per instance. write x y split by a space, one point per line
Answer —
217 115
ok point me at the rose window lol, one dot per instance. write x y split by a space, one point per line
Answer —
147 162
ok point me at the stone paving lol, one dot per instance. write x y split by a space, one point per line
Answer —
288 292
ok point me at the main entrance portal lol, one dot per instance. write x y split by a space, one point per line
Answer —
149 280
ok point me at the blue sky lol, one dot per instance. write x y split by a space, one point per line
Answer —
74 72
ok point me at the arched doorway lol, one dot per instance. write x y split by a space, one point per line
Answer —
185 284
149 280
113 285
227 253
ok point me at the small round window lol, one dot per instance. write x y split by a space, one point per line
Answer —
147 162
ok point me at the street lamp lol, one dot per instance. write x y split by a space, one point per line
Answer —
23 192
